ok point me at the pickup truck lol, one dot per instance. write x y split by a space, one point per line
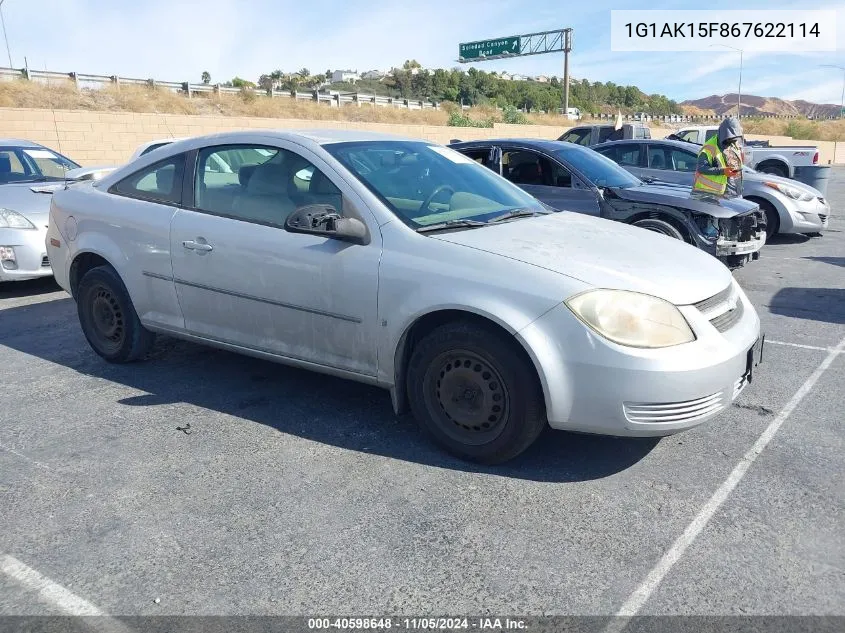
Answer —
588 135
776 160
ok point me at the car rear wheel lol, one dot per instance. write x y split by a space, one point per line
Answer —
108 318
474 391
660 226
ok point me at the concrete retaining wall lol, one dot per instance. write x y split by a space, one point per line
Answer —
109 138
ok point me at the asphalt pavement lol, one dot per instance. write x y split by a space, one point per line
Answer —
205 483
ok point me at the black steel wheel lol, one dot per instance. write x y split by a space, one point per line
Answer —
108 318
474 390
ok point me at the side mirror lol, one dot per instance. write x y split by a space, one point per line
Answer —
324 220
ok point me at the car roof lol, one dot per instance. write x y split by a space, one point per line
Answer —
651 141
18 142
533 143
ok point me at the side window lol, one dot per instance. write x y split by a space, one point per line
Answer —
684 161
605 132
628 155
11 167
657 158
159 182
528 168
609 151
579 136
690 136
711 132
259 184
479 155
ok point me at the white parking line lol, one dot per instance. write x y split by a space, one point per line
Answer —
802 346
642 593
48 590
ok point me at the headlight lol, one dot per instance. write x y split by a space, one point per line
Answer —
792 192
631 318
13 220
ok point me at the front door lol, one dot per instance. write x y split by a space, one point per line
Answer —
548 181
243 280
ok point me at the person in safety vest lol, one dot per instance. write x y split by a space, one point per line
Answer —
719 169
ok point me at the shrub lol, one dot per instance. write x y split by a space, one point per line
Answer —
515 117
458 119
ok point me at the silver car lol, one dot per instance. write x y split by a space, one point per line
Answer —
790 206
404 264
29 174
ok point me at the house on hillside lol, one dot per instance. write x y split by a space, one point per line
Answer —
543 79
342 76
374 74
505 76
519 78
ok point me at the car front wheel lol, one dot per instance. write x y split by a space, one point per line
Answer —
475 392
108 318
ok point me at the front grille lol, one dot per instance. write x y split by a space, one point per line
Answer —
715 300
727 320
728 316
740 384
823 218
742 228
45 262
686 411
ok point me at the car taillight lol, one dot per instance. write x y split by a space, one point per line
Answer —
816 158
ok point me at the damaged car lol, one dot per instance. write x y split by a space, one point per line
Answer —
568 177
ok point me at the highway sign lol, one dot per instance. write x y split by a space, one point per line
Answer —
500 47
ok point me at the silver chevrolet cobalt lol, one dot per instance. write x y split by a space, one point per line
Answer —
406 265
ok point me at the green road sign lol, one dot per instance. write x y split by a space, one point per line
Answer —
502 46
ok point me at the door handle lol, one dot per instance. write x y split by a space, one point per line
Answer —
197 246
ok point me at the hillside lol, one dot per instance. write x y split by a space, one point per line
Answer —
752 104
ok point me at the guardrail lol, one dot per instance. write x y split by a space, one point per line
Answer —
332 98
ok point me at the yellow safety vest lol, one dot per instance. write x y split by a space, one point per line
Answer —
705 183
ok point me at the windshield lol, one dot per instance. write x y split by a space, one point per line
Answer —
31 164
598 169
427 184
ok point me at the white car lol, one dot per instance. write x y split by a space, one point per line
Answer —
404 264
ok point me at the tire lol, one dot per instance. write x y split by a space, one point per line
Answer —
774 170
772 218
475 392
108 318
660 226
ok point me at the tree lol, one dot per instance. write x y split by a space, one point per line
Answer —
206 77
237 82
411 63
303 72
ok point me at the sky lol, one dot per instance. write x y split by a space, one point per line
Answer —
176 40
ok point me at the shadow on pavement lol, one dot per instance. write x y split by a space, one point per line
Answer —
788 238
31 287
836 261
322 408
815 304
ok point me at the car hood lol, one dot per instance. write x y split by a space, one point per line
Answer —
679 196
23 198
603 253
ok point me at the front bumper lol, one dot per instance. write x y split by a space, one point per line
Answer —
805 217
728 247
30 254
593 385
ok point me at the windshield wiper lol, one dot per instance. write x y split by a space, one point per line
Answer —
450 224
517 213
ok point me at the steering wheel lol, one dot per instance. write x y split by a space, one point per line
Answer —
432 195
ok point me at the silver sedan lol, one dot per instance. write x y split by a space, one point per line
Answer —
404 264
29 174
790 206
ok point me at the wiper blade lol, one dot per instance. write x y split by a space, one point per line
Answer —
450 224
517 213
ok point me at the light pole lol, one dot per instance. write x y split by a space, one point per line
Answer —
841 100
3 22
739 90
